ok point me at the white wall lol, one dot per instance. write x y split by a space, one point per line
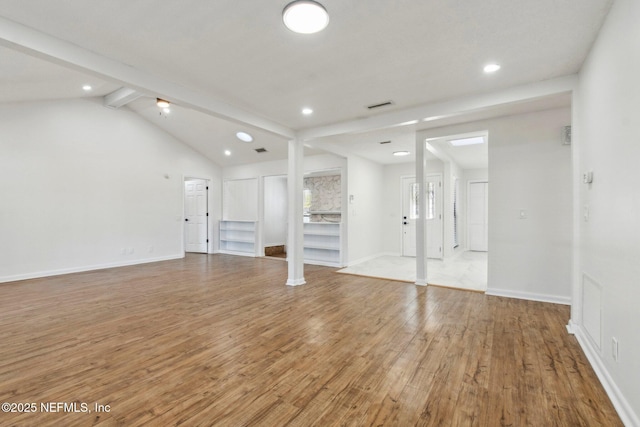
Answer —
365 184
275 210
608 140
84 187
529 169
240 200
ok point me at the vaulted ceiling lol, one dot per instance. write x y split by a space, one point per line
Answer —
232 65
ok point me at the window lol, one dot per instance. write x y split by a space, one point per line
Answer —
431 200
413 201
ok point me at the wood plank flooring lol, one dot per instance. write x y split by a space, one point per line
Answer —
218 340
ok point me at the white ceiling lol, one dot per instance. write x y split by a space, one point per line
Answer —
413 52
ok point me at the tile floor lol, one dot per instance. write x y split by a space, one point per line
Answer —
466 270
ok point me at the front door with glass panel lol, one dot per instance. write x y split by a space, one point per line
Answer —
410 213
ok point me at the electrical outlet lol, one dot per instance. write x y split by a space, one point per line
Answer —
614 348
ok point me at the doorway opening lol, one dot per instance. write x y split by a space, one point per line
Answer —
275 216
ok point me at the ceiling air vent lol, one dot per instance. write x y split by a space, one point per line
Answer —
385 142
261 150
382 104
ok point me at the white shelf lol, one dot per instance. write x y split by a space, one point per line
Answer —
238 237
322 243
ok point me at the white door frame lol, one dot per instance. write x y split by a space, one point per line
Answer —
186 178
403 207
439 210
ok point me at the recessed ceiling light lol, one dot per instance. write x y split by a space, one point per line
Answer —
491 68
305 16
307 111
87 88
162 103
227 152
467 141
401 153
245 137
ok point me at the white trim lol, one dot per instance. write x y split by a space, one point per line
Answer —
62 271
210 225
554 299
295 282
622 406
238 253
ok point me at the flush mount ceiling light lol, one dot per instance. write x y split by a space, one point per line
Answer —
491 68
162 103
307 111
305 16
467 141
227 152
244 137
87 88
401 153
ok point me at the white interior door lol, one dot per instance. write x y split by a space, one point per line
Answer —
433 189
409 215
195 215
477 216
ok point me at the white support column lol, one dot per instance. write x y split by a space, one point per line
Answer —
295 237
421 224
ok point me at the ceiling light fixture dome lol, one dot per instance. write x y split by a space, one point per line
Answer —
245 137
162 103
401 153
305 16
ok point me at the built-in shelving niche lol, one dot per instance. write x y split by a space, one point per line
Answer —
238 237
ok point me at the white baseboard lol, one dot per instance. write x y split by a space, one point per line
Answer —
59 272
625 411
528 296
296 282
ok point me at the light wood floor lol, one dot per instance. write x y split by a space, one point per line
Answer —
220 340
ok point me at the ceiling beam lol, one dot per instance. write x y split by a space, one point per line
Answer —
439 110
45 46
120 97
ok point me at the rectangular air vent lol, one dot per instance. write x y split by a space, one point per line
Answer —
382 104
261 150
385 142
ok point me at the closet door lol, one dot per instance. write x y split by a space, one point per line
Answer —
477 216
